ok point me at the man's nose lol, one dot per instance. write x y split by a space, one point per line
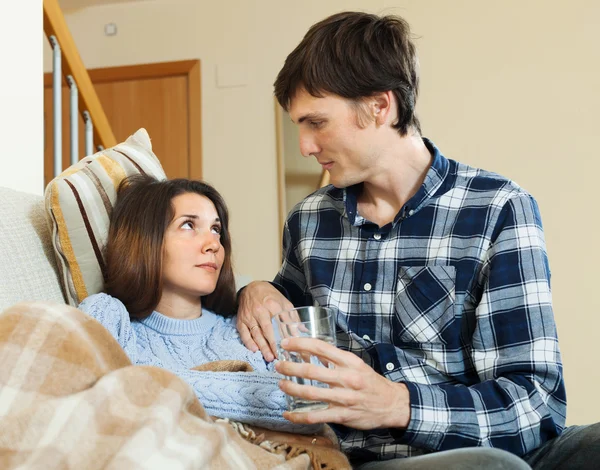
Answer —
308 146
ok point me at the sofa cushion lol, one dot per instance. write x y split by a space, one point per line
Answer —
78 206
28 269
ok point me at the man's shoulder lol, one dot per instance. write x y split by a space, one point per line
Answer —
325 198
483 183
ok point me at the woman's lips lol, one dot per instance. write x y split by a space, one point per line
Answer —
212 267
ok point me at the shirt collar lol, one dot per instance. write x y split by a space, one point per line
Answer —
433 180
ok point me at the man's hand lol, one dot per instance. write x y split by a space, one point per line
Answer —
258 302
358 396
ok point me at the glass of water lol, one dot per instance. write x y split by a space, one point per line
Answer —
309 322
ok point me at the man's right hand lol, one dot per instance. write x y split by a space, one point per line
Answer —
258 302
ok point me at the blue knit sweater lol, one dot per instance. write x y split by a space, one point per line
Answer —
179 345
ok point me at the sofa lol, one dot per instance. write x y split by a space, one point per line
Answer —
44 240
28 267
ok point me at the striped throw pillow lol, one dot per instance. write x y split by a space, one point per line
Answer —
78 206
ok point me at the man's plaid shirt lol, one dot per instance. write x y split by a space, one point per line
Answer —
452 298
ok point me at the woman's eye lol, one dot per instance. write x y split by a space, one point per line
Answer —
188 225
216 229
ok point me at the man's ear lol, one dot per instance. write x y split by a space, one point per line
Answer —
381 106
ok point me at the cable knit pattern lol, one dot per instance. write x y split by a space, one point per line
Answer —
179 345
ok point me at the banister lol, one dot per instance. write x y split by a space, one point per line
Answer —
55 25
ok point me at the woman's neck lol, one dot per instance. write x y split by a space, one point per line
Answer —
178 307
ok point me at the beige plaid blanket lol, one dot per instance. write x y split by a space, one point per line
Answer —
70 399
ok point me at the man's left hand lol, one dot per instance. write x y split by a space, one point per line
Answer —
358 396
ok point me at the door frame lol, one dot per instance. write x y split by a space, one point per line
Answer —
187 68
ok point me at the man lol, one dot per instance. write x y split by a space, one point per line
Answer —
438 272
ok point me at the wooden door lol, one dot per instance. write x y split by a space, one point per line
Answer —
164 98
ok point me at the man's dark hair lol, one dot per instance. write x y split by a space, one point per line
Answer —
355 55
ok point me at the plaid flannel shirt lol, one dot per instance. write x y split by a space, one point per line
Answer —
452 298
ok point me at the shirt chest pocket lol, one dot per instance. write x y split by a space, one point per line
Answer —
424 304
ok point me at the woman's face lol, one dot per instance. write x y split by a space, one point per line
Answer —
193 254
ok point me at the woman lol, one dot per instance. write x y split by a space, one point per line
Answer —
169 290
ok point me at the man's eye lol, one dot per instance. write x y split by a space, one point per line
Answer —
316 124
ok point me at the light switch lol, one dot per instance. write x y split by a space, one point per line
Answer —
110 29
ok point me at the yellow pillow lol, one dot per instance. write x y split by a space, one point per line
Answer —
78 206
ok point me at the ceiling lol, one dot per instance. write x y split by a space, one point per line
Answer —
70 5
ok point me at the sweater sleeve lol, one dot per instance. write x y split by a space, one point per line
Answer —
113 315
249 397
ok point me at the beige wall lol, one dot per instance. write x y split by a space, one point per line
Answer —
21 99
296 164
510 86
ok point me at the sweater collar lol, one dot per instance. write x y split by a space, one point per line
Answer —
174 326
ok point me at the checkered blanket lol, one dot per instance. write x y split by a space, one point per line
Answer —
70 398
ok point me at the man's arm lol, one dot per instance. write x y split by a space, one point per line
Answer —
291 277
260 300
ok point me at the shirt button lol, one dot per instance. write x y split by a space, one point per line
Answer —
366 338
411 212
377 236
368 287
389 366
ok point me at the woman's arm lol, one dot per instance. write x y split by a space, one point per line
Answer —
249 397
113 315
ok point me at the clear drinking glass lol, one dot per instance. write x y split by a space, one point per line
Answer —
310 322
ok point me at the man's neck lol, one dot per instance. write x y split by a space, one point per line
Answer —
399 174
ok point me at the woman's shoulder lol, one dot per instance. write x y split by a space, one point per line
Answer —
223 326
225 340
107 309
113 315
101 300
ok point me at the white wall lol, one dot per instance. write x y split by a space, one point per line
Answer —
510 86
21 98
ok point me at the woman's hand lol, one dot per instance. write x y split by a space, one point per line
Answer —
258 302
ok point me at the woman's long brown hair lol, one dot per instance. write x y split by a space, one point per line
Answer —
134 249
